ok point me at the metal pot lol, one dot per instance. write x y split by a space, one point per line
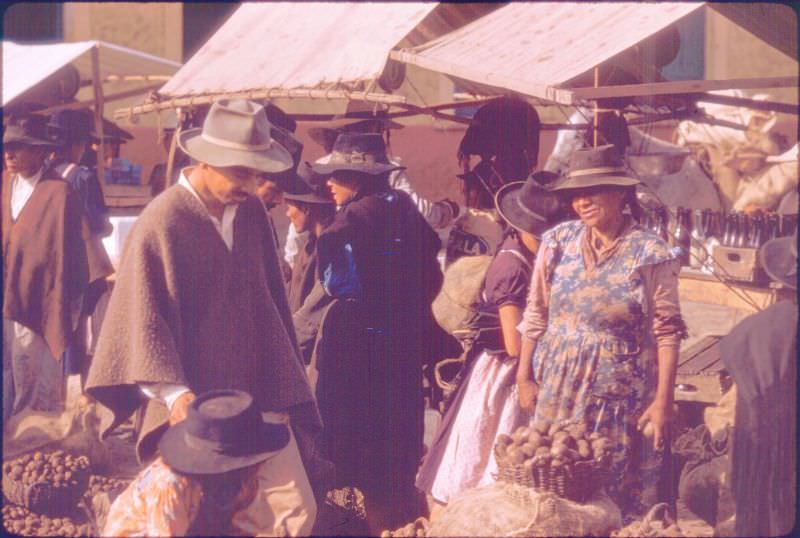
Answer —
657 164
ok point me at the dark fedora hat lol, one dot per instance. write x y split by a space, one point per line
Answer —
341 123
778 257
112 132
594 167
357 152
70 126
528 206
223 431
29 130
308 190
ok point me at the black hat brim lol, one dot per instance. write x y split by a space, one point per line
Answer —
585 182
375 169
255 447
779 261
507 204
28 141
310 198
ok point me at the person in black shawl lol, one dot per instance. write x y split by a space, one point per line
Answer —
377 259
761 355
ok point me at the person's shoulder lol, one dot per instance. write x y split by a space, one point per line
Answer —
651 249
563 232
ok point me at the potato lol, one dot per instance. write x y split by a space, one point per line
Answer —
559 435
594 436
542 451
572 455
501 450
584 449
528 449
577 430
554 427
558 451
516 456
504 439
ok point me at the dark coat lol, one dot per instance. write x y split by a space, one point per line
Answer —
50 248
761 355
378 260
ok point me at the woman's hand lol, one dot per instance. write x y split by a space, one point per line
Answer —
660 417
528 392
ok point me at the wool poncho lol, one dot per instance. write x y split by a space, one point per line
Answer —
186 310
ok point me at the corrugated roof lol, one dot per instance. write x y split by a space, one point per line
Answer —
534 47
289 45
25 66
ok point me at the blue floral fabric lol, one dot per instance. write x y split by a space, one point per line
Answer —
589 363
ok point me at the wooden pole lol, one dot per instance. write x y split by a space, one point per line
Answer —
98 116
596 111
172 147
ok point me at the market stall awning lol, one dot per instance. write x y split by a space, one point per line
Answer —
298 45
25 65
534 47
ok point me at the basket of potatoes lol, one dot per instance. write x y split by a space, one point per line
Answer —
46 482
23 522
563 459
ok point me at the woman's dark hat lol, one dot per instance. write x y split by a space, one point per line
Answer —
357 152
340 124
112 133
778 257
528 206
29 130
308 189
593 167
223 431
71 126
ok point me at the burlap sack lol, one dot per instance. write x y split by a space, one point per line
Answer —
509 510
456 303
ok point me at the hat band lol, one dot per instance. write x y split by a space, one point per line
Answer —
198 443
528 212
235 145
355 157
600 170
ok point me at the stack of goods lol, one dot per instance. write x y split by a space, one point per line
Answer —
46 482
657 523
565 460
105 484
123 172
418 527
21 521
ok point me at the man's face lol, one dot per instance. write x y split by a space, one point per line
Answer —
298 216
269 192
230 184
342 189
23 159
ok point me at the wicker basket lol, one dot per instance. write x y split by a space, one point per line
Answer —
576 482
43 498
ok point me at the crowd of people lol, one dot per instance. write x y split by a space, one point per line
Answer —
260 382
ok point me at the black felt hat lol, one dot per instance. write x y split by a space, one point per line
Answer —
71 126
357 152
29 130
528 205
307 189
223 431
340 124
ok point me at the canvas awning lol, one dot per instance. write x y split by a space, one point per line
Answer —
533 48
25 65
298 45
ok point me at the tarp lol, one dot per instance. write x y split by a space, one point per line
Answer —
291 45
26 65
535 47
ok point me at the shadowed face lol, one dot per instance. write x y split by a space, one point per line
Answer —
23 159
298 214
342 189
598 206
231 184
269 192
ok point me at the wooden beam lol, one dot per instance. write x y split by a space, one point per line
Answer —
272 93
677 87
98 116
771 106
106 99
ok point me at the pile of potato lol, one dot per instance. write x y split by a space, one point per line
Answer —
416 528
99 483
57 468
556 446
21 521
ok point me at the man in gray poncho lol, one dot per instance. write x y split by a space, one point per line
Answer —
199 302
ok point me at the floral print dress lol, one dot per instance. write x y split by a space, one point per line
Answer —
590 361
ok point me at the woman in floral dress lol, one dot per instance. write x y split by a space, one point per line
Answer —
602 327
486 403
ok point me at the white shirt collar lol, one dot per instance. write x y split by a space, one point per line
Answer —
225 226
21 190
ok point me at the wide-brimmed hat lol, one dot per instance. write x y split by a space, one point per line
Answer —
778 257
236 132
29 130
527 205
594 167
339 124
223 431
70 126
307 189
357 152
111 132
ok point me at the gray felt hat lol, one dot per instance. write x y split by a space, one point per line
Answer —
236 132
